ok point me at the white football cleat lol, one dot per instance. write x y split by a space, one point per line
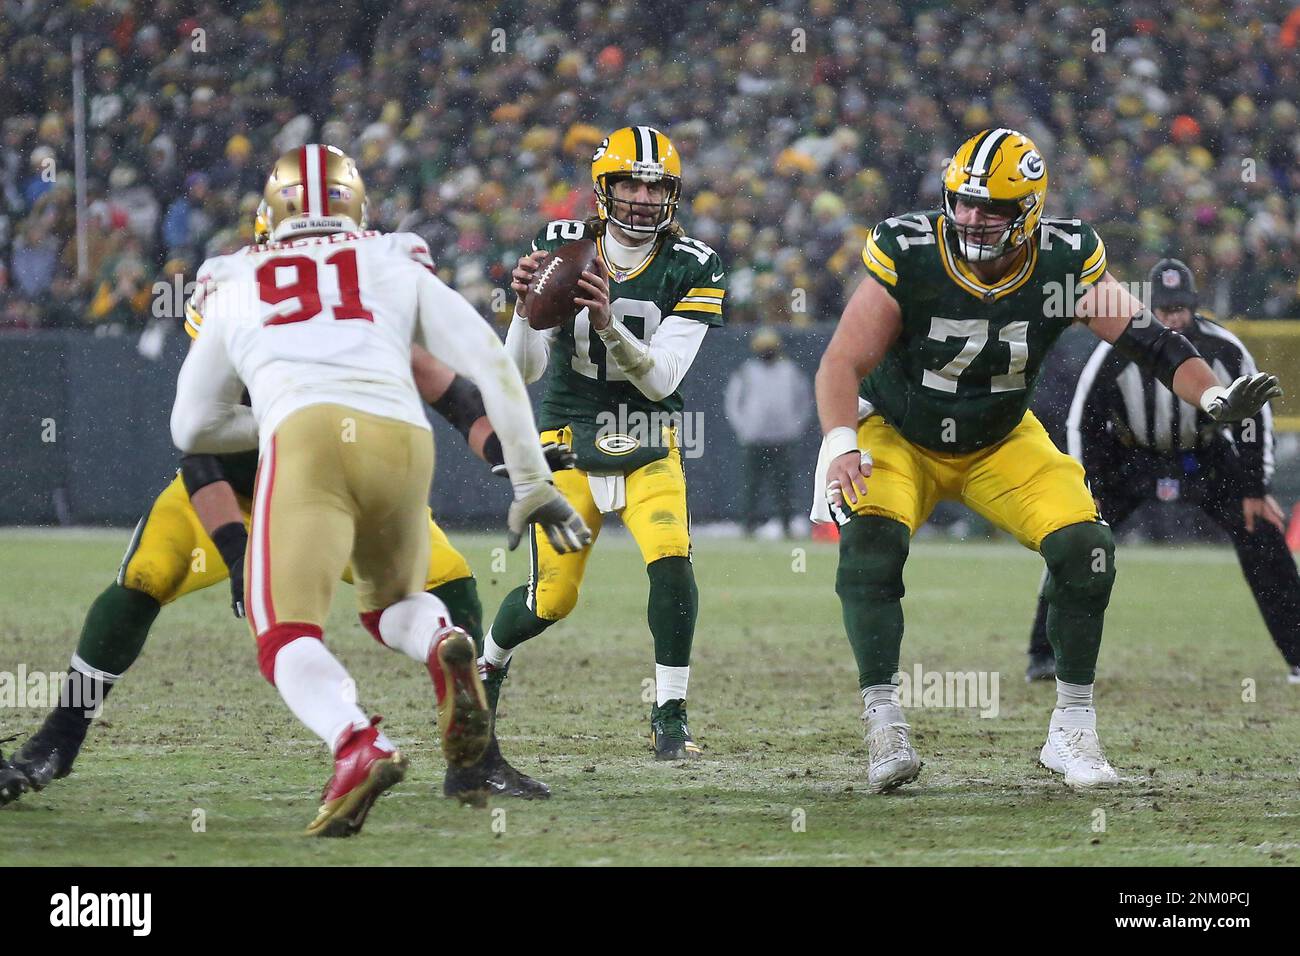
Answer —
893 762
1074 749
1293 675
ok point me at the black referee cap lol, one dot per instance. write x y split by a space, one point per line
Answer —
1172 285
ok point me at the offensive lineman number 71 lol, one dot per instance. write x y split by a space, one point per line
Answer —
305 287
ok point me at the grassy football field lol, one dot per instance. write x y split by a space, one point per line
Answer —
1208 778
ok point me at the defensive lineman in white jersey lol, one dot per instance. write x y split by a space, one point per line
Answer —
318 325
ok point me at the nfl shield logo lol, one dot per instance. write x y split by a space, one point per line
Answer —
1167 489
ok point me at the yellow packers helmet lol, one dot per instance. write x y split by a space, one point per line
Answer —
314 189
643 154
1002 171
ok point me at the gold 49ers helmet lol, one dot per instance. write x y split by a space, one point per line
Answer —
1002 171
642 154
313 189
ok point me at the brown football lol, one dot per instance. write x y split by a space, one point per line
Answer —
549 301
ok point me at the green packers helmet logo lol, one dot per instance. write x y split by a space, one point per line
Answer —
617 445
1031 165
600 150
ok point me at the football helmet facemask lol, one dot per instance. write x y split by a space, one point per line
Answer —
314 189
1002 171
640 154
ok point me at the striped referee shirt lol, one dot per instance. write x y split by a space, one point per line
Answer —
1115 402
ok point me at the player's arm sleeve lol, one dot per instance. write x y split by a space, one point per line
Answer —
658 366
456 334
208 416
529 349
1254 439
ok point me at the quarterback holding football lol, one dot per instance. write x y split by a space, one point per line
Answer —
640 314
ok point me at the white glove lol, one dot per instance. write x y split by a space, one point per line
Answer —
545 506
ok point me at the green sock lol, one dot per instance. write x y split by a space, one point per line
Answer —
115 630
671 610
514 622
461 598
869 582
1081 571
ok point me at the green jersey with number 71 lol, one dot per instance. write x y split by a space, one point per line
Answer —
680 276
960 374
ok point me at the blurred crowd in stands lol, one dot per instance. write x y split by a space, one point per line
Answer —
1170 125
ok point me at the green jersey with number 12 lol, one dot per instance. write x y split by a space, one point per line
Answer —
682 276
960 375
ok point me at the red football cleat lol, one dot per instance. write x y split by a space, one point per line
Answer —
362 771
464 721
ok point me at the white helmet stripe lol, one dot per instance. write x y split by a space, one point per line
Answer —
647 142
311 184
980 164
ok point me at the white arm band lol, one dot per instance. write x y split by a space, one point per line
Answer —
1210 395
840 441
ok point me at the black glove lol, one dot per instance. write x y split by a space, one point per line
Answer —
559 457
1242 398
232 541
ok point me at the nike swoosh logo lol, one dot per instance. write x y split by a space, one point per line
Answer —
717 277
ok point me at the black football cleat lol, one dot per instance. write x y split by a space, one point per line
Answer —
1042 666
48 754
669 734
492 776
13 782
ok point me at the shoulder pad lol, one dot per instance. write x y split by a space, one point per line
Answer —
411 246
1078 241
891 240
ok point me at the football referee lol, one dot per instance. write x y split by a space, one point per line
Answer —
1138 441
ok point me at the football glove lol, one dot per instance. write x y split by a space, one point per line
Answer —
1242 398
559 457
546 507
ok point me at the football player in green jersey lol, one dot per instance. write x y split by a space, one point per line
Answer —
923 395
612 393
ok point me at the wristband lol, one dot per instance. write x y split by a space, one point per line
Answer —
1210 396
840 441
